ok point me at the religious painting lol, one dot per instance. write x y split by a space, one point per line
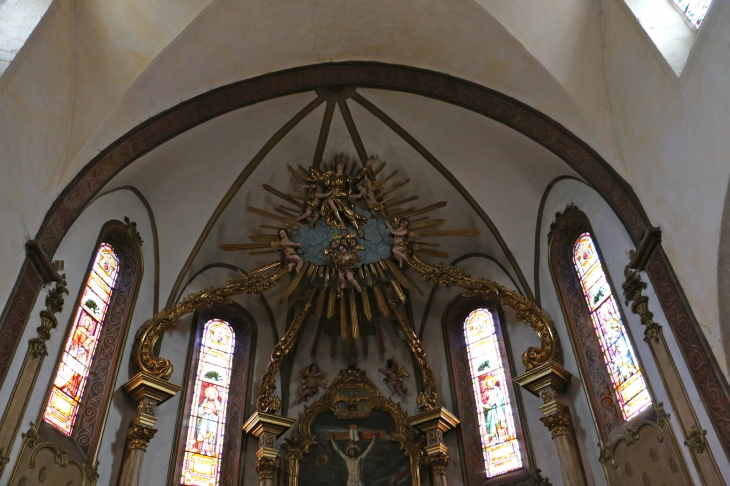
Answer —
356 452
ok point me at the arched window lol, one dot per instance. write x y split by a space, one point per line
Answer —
80 393
618 352
210 431
206 428
494 411
610 369
73 370
488 402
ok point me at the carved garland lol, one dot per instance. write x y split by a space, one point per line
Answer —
352 395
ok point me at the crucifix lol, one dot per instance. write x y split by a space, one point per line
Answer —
352 457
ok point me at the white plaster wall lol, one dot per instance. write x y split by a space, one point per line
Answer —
75 250
674 134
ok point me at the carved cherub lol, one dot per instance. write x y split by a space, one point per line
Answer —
367 192
394 374
400 236
289 248
344 260
313 201
312 380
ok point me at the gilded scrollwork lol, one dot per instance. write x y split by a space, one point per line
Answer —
527 311
558 423
139 436
266 467
352 395
696 440
633 288
150 332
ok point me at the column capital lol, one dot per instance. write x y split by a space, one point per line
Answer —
139 436
434 423
557 422
144 385
266 467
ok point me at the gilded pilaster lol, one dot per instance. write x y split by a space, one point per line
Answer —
149 392
434 424
548 381
267 428
695 441
37 351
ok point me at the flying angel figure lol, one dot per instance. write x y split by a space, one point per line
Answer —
394 374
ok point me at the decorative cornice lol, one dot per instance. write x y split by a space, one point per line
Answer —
37 255
649 242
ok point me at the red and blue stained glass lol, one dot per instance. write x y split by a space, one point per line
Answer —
694 10
73 371
491 392
618 352
204 444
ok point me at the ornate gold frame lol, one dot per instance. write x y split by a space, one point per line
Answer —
352 395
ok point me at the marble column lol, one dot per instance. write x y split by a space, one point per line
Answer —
267 428
25 382
434 424
548 381
148 391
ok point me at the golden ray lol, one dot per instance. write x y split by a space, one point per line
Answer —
427 243
398 291
380 299
377 171
376 269
343 318
297 278
366 304
418 220
244 246
415 212
268 226
454 232
272 216
426 224
331 305
262 238
286 212
354 323
296 197
435 253
296 176
399 201
395 186
282 195
264 252
382 183
320 271
320 303
268 266
367 277
397 273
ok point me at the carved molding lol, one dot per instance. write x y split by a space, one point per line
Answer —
138 436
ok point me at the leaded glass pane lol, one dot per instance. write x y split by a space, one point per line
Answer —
73 371
204 444
694 10
618 353
496 424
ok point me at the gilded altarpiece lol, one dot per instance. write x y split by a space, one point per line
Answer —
352 430
643 450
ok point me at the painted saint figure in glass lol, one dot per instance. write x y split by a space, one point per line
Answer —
496 424
204 444
623 367
73 370
694 10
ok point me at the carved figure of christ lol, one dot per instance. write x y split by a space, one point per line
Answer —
352 457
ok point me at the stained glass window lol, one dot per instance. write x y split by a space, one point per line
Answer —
618 352
204 444
73 371
694 10
496 423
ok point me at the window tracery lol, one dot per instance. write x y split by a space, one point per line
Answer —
73 370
